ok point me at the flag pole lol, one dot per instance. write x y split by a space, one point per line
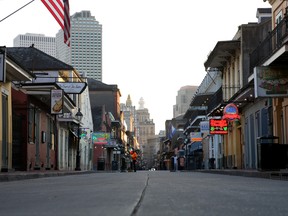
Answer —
16 11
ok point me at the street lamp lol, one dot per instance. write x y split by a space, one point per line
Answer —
186 142
79 117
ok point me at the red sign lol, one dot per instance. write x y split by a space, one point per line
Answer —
218 126
230 112
100 138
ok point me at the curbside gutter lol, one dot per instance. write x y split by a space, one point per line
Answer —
22 175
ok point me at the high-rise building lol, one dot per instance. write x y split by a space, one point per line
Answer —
129 112
85 51
39 41
146 125
183 100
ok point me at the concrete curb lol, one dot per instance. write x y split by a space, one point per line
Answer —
276 175
15 176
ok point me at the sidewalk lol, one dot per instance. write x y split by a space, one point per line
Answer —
276 175
22 175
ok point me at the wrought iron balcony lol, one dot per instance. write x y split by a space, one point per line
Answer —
272 43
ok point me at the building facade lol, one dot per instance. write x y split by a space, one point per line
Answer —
183 99
44 123
146 125
10 144
109 140
246 109
40 41
149 157
129 114
131 123
85 51
239 146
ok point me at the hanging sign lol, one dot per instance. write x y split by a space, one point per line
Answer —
195 136
271 81
218 126
72 87
230 112
56 101
204 127
100 138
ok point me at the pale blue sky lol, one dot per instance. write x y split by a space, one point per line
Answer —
151 48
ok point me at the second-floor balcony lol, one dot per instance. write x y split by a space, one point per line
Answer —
274 48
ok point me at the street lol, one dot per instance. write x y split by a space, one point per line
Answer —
144 193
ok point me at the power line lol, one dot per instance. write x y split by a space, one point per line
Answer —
16 11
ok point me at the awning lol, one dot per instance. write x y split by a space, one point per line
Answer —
222 53
199 104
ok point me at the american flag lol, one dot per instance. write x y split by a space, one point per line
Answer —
60 11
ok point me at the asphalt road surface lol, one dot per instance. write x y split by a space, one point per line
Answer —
144 193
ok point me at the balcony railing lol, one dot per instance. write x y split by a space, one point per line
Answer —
216 100
275 40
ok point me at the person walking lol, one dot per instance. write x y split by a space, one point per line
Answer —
175 163
134 159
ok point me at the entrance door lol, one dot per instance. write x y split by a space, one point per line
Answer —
18 153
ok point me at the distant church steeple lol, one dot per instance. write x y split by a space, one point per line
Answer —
129 101
141 103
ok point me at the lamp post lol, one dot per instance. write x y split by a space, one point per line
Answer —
79 117
186 161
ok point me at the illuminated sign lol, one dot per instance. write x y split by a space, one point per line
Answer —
230 112
100 138
218 126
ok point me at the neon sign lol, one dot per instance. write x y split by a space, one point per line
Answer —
218 126
230 112
100 138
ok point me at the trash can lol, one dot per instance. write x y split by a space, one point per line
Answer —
267 153
101 164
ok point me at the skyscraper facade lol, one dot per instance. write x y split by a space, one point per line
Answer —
85 51
146 125
129 112
39 41
183 100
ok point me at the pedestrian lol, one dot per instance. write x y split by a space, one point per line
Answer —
134 159
175 163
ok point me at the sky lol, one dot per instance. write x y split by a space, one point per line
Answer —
151 48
